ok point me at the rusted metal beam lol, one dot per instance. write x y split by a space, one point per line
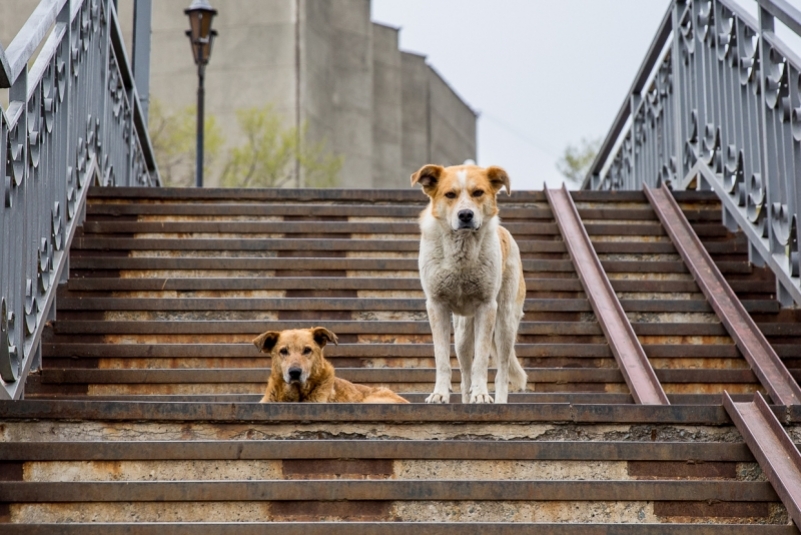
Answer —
766 364
357 412
401 490
470 450
771 445
631 358
150 376
253 327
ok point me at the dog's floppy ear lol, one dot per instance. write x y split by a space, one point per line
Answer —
428 176
322 336
498 179
266 341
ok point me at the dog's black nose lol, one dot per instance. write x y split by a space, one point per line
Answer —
294 374
465 216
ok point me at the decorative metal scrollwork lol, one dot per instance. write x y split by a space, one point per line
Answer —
748 53
16 155
780 221
687 42
34 134
755 207
49 99
9 356
706 21
795 115
793 258
57 227
727 36
80 162
775 79
61 70
44 265
72 193
734 170
692 149
711 147
667 173
31 307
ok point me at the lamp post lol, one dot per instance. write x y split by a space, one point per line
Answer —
200 35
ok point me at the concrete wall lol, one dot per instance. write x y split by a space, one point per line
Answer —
387 114
321 63
415 151
337 77
452 132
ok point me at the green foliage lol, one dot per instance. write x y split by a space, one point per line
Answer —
576 159
272 154
173 136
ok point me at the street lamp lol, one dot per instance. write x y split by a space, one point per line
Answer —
201 36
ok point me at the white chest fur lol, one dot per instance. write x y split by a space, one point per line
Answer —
460 269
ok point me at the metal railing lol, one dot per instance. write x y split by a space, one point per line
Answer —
716 105
73 119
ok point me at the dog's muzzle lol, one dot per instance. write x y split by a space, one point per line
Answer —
294 375
466 220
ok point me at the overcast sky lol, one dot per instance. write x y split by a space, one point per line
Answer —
541 73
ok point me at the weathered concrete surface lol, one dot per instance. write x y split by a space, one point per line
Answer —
510 470
31 431
404 511
387 109
218 470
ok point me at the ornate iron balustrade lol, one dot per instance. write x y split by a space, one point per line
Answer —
73 119
717 105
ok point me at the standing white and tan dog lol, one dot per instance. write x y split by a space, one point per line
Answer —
470 267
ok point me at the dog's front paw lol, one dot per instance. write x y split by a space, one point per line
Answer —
480 398
436 397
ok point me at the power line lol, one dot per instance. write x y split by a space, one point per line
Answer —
523 137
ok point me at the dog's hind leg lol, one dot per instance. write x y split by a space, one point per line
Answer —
464 337
509 369
439 318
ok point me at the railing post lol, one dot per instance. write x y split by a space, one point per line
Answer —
680 109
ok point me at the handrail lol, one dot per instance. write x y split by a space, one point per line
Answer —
787 14
719 88
73 120
15 58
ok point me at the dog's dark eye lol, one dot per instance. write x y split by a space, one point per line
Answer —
306 350
284 351
478 193
450 195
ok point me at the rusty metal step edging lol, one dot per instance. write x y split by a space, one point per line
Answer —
631 357
767 365
772 447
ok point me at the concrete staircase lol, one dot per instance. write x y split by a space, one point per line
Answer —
143 419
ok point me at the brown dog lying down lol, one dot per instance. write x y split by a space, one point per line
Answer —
301 373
